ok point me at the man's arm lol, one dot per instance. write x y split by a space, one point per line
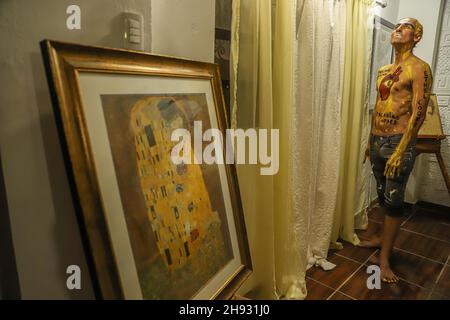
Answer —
421 86
367 152
381 73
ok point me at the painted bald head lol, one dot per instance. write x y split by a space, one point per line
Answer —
407 30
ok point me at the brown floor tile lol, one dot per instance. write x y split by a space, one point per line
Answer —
340 296
443 285
373 229
334 278
317 291
433 224
438 296
377 215
356 287
417 259
415 269
354 252
422 245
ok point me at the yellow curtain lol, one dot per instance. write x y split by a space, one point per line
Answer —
290 243
252 84
351 197
262 81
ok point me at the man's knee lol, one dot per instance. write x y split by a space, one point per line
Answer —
393 210
393 202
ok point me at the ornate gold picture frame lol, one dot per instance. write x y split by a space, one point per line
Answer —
152 229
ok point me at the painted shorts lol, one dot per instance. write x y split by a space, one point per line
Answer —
391 191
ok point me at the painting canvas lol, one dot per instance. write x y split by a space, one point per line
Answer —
174 212
153 228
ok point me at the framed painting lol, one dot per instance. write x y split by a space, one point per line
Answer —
153 228
382 53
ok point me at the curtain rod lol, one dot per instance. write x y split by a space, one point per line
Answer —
381 3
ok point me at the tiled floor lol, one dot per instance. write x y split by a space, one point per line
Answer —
421 259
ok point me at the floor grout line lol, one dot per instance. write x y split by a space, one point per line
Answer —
332 294
442 270
351 259
412 283
364 265
356 271
407 219
405 251
408 230
411 231
418 255
321 283
348 296
424 235
433 289
335 290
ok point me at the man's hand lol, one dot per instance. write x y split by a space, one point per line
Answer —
392 168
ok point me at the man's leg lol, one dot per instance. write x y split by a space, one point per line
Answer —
374 242
378 164
393 197
390 231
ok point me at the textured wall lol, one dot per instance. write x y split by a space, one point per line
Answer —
433 188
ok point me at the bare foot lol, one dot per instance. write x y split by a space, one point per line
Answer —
375 242
387 275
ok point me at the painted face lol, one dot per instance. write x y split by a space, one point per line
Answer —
404 32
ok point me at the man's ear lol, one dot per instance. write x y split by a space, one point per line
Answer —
417 39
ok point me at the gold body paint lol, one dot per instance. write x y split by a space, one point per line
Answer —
403 93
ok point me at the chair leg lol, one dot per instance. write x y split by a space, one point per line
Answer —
443 170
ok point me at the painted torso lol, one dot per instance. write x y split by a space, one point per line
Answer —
393 108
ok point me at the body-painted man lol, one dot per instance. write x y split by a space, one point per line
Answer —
403 94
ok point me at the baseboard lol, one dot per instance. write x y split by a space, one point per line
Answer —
424 205
432 207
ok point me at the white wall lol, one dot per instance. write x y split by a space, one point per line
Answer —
44 229
184 28
390 12
427 12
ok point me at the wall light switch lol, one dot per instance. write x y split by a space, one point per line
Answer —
133 34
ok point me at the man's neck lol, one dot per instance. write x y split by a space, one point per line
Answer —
402 53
